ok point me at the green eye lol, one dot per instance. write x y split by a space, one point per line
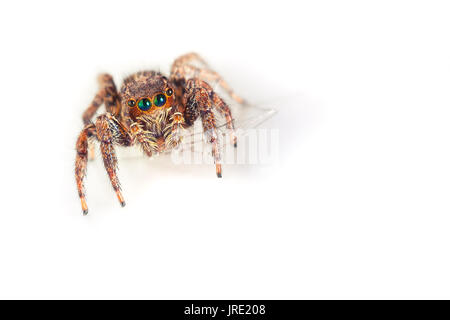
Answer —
144 104
159 100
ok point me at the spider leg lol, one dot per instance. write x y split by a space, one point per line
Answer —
199 102
81 162
109 96
108 131
225 110
181 69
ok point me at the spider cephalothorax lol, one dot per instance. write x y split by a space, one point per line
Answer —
149 100
150 110
146 93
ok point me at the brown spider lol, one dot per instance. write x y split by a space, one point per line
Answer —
150 110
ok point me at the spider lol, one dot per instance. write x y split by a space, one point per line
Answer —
151 110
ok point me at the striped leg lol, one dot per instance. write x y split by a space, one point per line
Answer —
81 162
198 98
225 110
109 132
107 95
182 69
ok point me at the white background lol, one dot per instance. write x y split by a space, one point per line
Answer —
356 207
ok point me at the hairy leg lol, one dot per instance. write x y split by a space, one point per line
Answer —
191 112
198 102
181 69
81 162
226 112
108 95
108 131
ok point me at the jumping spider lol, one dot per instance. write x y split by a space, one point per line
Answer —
151 110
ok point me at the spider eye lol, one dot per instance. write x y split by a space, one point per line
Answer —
159 100
169 92
131 103
144 104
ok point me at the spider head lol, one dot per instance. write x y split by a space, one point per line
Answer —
147 93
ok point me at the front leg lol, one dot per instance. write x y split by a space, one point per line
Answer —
82 148
108 131
198 102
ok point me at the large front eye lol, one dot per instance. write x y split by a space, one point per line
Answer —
144 104
159 100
